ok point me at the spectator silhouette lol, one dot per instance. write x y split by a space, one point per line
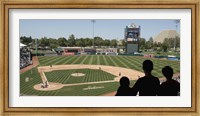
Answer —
124 89
169 87
147 85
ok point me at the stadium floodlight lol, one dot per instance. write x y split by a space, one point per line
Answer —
36 46
93 21
176 22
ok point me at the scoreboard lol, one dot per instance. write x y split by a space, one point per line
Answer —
132 36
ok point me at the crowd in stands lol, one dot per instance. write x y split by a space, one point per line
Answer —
150 85
25 57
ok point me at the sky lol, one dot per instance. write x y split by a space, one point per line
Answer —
82 28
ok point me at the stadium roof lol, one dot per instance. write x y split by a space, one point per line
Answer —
22 45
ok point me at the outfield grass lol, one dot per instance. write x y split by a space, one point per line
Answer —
131 62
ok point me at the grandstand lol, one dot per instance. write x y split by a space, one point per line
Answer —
25 56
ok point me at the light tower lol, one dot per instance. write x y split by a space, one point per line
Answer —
36 46
93 21
176 22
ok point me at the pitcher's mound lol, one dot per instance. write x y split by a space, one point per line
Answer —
78 74
52 86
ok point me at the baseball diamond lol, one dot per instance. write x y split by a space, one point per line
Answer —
100 74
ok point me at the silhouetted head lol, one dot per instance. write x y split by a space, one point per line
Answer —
168 72
148 66
124 81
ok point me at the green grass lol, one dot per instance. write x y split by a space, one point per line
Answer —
132 62
91 75
63 76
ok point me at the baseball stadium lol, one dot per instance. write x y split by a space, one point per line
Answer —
87 71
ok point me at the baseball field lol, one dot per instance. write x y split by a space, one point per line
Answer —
85 75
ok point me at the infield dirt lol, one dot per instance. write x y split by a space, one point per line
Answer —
117 71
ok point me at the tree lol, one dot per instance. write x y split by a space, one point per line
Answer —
62 41
53 43
142 43
71 40
80 42
98 41
147 45
26 40
164 47
150 43
107 42
88 41
123 42
114 43
178 42
159 44
44 42
33 43
155 44
166 44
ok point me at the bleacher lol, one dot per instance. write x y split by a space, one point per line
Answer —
25 57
